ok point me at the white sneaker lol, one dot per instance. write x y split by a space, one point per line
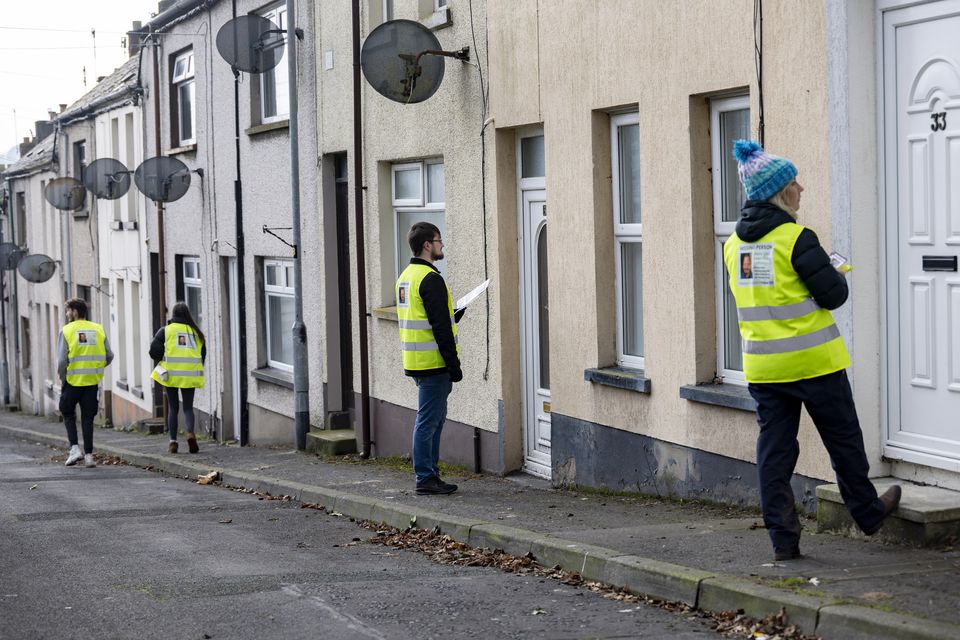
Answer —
74 455
88 460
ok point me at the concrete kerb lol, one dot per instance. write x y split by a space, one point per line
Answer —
726 593
853 622
708 591
653 578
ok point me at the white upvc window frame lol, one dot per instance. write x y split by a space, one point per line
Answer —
440 5
184 78
432 210
722 230
630 233
192 279
283 288
279 74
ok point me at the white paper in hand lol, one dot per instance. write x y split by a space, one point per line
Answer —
473 295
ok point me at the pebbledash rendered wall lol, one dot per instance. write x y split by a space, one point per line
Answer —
447 126
202 223
567 66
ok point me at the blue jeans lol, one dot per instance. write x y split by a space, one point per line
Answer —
431 414
829 402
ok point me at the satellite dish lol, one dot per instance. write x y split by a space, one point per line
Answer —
402 60
37 267
251 43
162 178
10 256
107 178
66 194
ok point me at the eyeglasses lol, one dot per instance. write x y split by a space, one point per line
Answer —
438 240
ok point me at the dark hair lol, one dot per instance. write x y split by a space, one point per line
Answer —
79 305
181 313
421 232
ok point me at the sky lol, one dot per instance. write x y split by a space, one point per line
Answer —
46 50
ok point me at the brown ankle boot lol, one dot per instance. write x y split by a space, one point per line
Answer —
192 443
172 447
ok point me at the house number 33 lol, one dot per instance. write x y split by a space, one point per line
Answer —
939 121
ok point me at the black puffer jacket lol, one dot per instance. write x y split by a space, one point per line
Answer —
827 286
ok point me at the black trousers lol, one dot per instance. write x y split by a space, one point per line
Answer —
829 401
89 402
173 403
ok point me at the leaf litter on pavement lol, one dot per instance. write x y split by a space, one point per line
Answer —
443 549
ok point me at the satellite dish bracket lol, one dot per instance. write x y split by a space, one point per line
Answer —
269 230
412 70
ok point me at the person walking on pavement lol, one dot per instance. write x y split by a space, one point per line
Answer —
83 352
793 353
431 355
182 350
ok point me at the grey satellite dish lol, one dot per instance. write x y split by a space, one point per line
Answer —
251 43
66 194
107 178
402 60
162 178
10 256
37 267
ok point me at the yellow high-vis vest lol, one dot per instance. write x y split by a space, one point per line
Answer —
786 335
86 352
417 343
182 358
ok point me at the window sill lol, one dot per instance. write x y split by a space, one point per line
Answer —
438 19
386 313
619 377
187 148
269 126
274 376
83 214
137 391
732 396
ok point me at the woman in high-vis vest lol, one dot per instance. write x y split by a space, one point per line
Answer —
793 354
181 349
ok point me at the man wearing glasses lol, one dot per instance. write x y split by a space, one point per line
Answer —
431 355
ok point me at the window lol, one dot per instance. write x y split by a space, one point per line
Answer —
184 99
121 360
79 158
21 219
418 195
628 237
25 342
192 284
279 310
439 4
275 84
729 120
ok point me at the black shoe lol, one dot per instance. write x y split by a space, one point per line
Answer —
788 554
434 486
890 500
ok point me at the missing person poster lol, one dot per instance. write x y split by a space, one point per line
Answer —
756 265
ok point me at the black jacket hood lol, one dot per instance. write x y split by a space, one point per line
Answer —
758 218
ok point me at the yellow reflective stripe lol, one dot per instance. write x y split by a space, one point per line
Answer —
795 343
784 312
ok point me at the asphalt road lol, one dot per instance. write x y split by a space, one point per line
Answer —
119 552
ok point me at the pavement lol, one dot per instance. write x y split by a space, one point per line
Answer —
714 557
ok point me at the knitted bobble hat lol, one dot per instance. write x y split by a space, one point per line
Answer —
762 174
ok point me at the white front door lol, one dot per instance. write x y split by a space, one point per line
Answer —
921 52
534 303
536 334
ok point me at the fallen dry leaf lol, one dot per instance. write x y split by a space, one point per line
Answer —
208 478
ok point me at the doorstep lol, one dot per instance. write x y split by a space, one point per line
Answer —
927 516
